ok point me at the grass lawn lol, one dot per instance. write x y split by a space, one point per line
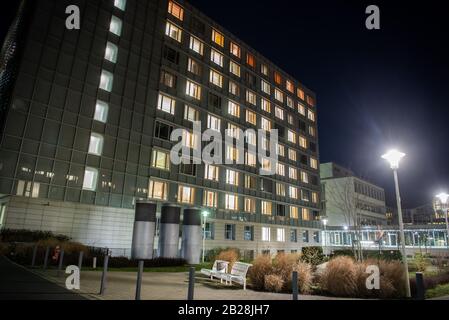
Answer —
438 291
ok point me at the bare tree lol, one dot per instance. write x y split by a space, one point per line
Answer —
346 201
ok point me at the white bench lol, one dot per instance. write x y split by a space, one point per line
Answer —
238 274
219 267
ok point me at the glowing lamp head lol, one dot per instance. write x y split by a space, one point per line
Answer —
345 228
205 213
393 157
324 221
443 197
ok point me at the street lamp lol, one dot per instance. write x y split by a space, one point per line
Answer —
394 157
204 214
324 220
443 197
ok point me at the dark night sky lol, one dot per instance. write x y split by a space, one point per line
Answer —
375 89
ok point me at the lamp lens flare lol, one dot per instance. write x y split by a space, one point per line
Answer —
393 157
443 197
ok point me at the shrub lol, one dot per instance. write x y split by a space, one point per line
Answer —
339 277
261 267
312 255
419 263
19 235
305 277
389 285
273 283
371 254
430 281
231 255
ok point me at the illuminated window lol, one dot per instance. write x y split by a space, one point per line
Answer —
196 45
311 115
157 189
289 86
290 102
90 179
233 131
96 144
217 37
291 136
266 207
232 177
101 111
213 123
313 163
264 69
250 60
266 234
216 78
278 95
302 142
211 172
216 57
111 52
173 31
193 66
190 113
314 197
189 140
233 109
231 202
305 214
281 150
106 80
312 131
280 235
294 212
121 4
234 88
250 182
251 117
301 109
166 104
176 10
234 68
186 194
280 189
280 169
300 93
232 153
293 173
304 177
277 78
265 105
290 118
251 97
293 192
250 205
160 159
116 26
279 113
292 154
250 159
250 137
265 87
265 124
210 198
193 90
235 49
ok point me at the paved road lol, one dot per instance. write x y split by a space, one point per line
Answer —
18 283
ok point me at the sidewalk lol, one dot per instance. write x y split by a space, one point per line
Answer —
18 283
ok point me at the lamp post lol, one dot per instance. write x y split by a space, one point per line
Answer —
393 157
324 220
443 197
204 214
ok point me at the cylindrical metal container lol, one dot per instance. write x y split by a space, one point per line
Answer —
144 230
191 236
169 231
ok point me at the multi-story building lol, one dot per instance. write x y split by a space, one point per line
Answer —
87 116
348 200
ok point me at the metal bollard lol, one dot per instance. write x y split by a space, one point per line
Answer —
33 259
295 285
47 253
94 263
104 275
191 283
420 289
139 279
61 259
80 260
